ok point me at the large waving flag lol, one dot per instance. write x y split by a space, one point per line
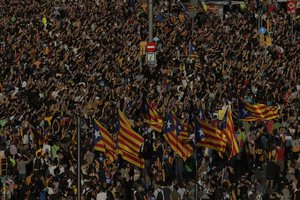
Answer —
98 141
178 146
129 142
209 136
257 112
132 158
128 139
181 128
151 116
193 113
228 130
108 141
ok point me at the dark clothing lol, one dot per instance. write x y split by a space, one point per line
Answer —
140 195
271 170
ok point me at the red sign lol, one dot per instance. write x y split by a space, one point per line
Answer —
151 47
291 7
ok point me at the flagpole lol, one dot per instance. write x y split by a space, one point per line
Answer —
78 161
196 165
293 39
150 20
3 185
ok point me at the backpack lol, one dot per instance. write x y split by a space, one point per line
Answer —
109 195
42 195
160 195
38 164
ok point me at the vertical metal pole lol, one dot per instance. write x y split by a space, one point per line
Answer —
78 161
4 190
150 7
196 165
293 28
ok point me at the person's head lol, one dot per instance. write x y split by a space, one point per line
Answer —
175 187
39 154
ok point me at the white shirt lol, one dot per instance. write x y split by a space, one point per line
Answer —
156 192
46 147
51 170
25 139
101 196
181 192
50 190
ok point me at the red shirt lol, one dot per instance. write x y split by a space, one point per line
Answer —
246 82
270 125
271 8
280 153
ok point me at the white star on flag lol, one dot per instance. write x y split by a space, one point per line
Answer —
201 133
169 124
97 134
179 127
245 112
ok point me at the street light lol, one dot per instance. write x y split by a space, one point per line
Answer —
150 20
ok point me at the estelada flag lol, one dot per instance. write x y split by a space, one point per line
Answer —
128 139
151 116
132 158
178 146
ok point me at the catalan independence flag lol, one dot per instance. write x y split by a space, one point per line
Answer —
151 116
132 158
227 128
257 112
209 136
97 140
108 141
178 146
181 128
193 113
128 139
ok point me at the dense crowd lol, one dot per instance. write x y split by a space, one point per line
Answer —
81 58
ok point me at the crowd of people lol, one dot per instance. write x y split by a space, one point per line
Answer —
65 59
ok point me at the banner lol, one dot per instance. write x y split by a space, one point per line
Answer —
291 7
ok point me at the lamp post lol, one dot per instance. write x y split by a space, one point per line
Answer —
78 160
150 20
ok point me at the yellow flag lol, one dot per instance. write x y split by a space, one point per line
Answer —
221 114
44 20
48 119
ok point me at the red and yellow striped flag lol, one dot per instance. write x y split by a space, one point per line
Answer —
132 158
99 146
181 128
211 136
228 130
184 134
128 139
151 116
182 149
108 141
257 112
